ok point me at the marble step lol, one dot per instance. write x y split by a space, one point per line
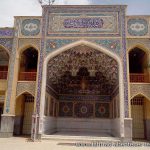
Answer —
79 138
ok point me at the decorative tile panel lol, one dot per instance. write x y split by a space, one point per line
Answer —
26 87
4 32
78 109
53 44
137 27
7 43
83 110
40 66
111 44
66 109
85 97
83 23
124 61
30 27
102 110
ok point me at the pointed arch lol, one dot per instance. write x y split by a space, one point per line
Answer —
140 46
29 56
140 94
24 107
25 47
139 113
138 59
4 48
4 62
98 48
82 42
25 92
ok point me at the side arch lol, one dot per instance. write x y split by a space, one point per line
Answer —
24 106
25 92
4 48
140 94
140 46
140 116
25 47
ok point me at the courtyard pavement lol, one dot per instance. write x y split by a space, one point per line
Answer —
23 143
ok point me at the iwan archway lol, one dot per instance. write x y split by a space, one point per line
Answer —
82 91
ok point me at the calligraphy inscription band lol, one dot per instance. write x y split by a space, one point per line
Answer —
84 23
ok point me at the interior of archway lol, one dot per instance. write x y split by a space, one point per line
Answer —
82 83
28 64
4 63
23 114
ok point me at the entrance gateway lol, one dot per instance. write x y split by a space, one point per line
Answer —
82 77
69 74
82 94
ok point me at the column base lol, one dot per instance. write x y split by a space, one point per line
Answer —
7 126
35 128
127 130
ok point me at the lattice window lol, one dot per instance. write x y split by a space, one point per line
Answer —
137 101
29 99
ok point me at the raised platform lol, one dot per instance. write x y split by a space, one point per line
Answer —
80 136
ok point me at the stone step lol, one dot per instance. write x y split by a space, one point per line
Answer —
80 138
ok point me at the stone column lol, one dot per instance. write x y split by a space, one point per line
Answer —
7 122
127 120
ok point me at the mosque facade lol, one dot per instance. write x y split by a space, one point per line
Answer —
76 69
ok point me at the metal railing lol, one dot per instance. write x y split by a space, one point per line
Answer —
27 76
139 77
3 75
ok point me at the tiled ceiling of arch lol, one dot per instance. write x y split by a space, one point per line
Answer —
103 70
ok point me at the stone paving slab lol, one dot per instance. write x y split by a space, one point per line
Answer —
21 143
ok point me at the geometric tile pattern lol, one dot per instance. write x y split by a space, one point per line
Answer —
7 43
111 44
137 27
102 110
6 32
83 110
78 109
66 109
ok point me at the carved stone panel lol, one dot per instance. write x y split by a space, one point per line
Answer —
143 89
29 42
26 87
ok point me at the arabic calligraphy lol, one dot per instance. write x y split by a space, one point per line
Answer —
84 23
